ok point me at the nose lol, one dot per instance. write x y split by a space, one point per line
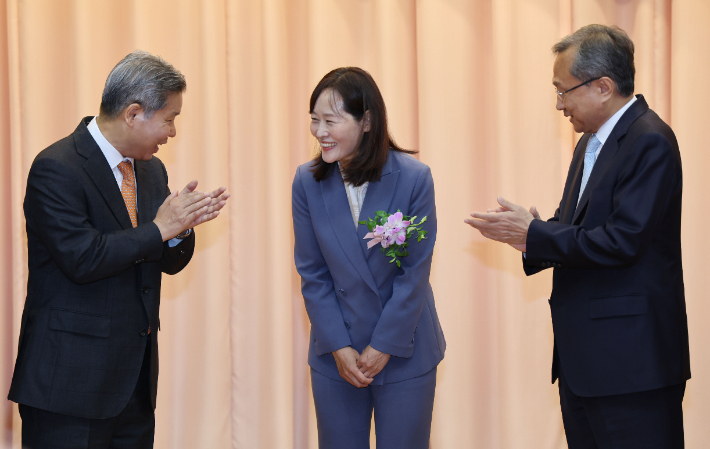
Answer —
560 104
321 131
173 130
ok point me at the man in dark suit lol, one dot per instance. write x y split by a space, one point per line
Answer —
618 304
102 226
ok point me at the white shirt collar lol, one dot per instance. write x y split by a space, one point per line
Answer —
112 155
608 126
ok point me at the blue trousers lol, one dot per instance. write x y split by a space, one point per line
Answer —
402 413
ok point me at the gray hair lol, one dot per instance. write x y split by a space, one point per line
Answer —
140 78
601 51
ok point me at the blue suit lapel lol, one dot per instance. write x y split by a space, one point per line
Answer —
379 197
341 218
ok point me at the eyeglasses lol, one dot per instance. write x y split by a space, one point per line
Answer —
561 95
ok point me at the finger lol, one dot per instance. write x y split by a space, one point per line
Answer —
217 192
360 377
480 224
197 206
507 204
486 217
192 185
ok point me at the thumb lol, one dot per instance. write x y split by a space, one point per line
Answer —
506 204
534 212
191 186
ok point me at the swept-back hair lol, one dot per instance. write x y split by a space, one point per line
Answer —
601 50
359 94
140 78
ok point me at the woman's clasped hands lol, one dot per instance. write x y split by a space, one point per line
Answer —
360 369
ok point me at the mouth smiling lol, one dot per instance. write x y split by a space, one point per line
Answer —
326 146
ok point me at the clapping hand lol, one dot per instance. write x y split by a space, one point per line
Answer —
508 223
187 209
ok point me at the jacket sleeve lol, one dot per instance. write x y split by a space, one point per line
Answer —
644 189
177 257
316 282
534 269
395 327
56 211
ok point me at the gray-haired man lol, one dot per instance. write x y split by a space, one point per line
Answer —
617 302
102 226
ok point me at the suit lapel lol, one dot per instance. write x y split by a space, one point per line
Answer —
609 150
341 218
378 197
606 155
100 173
573 193
142 182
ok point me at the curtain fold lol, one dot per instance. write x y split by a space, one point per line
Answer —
466 82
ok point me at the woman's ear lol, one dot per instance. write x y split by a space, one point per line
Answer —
366 120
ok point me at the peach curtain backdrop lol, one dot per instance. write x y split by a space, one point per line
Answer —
467 82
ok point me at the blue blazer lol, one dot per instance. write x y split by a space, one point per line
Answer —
354 296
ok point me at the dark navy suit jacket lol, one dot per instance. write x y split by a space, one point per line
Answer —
354 296
94 281
618 302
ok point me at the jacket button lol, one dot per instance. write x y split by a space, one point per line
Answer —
341 291
347 325
182 252
145 289
139 261
143 332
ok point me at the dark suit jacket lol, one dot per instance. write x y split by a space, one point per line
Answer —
618 303
94 281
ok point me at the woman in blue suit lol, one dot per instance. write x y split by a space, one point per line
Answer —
375 336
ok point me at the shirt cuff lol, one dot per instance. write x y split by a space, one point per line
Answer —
174 242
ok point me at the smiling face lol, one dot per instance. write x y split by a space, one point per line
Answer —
337 131
148 133
584 105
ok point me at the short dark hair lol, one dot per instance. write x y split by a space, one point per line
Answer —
360 94
601 50
140 78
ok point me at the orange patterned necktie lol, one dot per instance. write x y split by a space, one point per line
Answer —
128 190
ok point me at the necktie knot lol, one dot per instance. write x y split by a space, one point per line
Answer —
593 144
128 190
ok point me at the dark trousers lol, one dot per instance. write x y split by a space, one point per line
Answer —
647 419
133 428
402 412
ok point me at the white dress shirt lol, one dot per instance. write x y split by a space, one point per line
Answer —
608 126
356 197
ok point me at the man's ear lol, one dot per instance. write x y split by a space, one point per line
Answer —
366 122
131 112
606 87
